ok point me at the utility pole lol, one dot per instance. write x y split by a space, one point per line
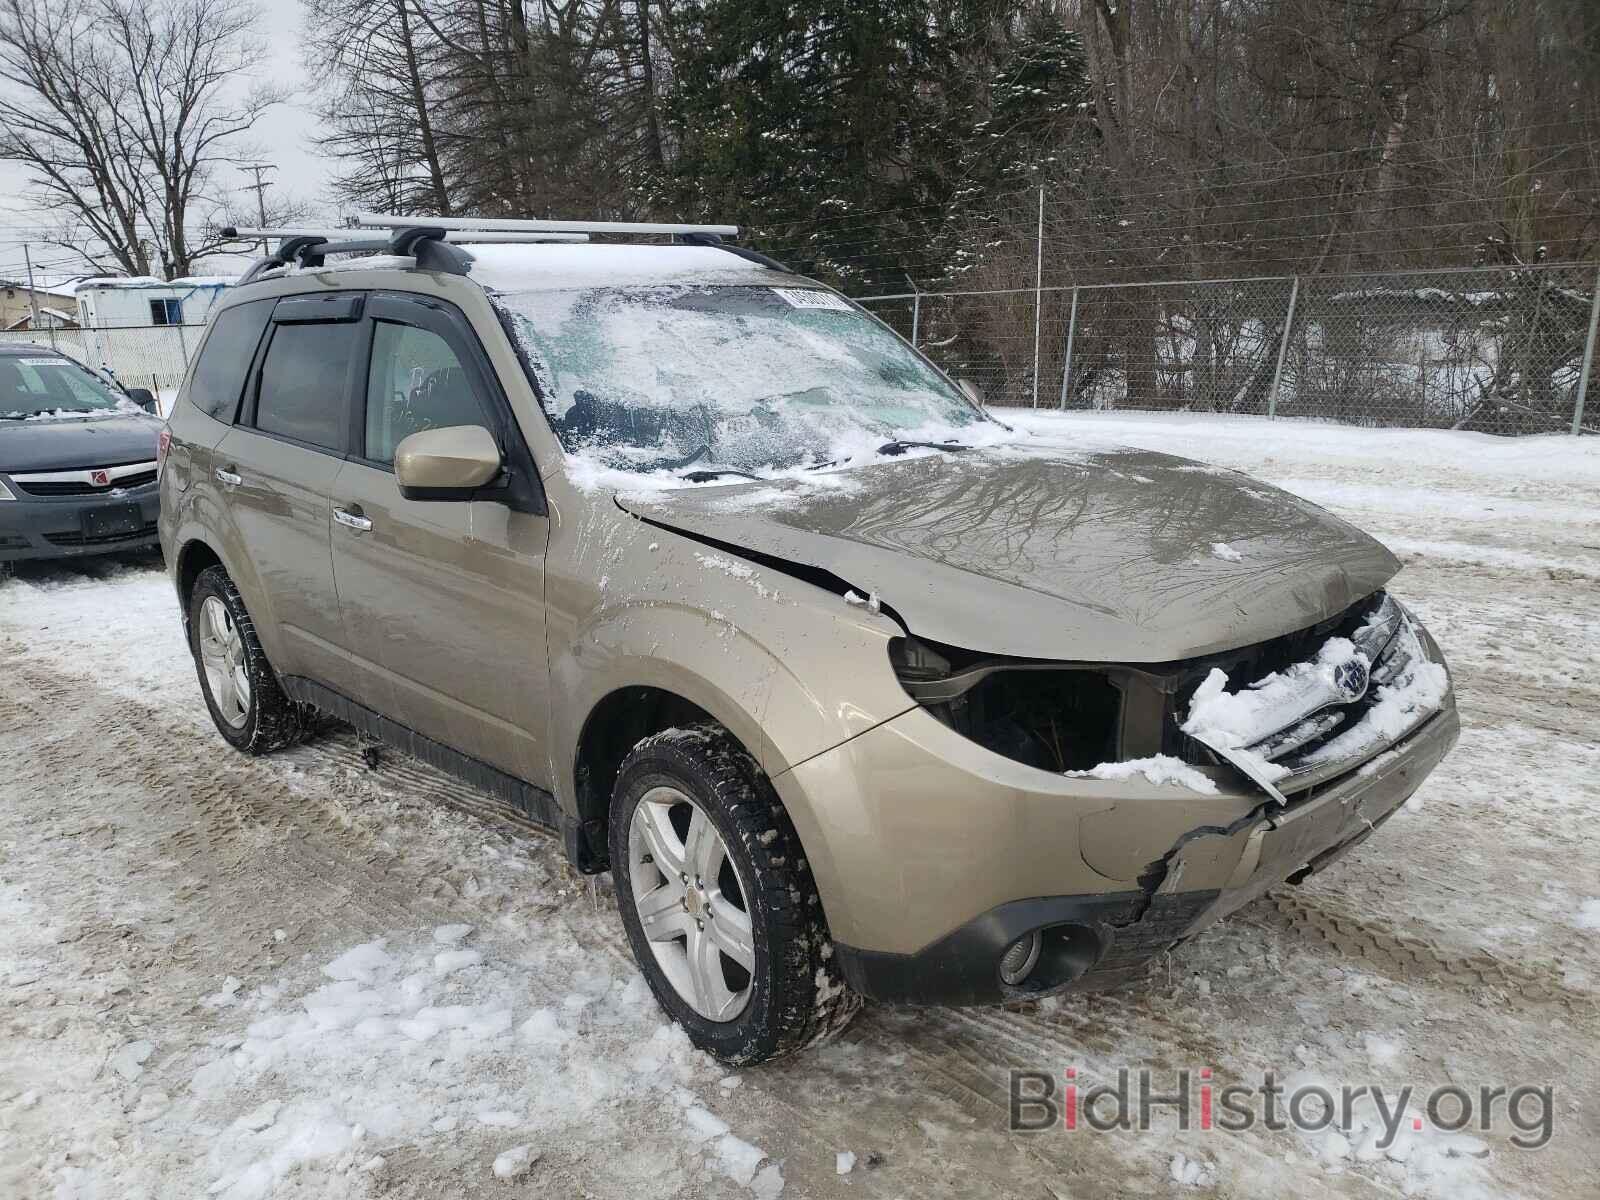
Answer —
33 296
259 187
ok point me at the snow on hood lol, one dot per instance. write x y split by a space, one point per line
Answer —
1060 551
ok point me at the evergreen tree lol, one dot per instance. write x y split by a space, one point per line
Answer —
864 142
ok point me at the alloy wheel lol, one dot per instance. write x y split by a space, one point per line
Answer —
691 903
222 657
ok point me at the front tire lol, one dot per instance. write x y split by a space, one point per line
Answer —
719 904
242 692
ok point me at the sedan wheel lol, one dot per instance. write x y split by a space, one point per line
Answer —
222 658
691 903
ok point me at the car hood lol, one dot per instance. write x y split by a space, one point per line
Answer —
69 443
1052 551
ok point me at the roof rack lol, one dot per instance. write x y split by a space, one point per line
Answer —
434 241
424 243
508 225
242 234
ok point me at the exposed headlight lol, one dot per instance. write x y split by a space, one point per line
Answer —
5 492
1048 715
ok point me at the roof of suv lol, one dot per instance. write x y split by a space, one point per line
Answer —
526 268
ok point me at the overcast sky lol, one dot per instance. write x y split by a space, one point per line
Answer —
282 138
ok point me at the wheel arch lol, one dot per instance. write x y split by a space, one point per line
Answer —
195 556
615 724
199 548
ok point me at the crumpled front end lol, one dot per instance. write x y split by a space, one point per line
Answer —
944 863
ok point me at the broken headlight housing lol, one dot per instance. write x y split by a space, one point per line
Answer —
1049 715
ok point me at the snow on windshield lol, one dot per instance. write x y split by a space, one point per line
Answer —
691 377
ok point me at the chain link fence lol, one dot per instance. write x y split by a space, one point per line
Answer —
1498 350
150 356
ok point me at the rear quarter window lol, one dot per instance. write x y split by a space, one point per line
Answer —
224 360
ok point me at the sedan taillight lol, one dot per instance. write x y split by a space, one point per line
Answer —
163 443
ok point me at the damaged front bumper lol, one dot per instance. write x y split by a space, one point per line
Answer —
932 863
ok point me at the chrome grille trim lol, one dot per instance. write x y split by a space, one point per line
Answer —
85 475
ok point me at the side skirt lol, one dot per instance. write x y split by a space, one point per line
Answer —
533 803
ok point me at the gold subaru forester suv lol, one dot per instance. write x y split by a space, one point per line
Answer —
855 691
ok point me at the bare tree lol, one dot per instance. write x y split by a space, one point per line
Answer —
122 110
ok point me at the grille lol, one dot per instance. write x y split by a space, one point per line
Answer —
77 539
1316 715
40 487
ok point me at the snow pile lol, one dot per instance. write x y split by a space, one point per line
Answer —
1225 552
1421 1159
1191 1172
1158 769
407 1047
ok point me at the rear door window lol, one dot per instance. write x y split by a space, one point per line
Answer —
304 383
225 358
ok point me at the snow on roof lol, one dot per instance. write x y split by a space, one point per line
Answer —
187 282
515 268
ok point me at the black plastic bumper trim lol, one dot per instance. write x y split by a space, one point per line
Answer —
1092 942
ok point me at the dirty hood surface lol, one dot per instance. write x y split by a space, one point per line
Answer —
69 443
1052 550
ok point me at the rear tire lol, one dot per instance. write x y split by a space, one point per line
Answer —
789 997
242 692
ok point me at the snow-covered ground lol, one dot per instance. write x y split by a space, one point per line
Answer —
307 976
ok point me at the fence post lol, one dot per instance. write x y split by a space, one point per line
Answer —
1038 293
1588 357
1283 348
1066 367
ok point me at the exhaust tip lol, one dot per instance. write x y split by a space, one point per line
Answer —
1017 963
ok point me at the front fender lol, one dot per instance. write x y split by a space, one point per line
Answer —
790 669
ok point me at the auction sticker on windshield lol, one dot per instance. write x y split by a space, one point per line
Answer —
813 298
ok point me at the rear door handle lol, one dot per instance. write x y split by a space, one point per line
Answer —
352 520
228 477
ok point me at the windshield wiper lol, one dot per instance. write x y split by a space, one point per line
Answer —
707 474
900 447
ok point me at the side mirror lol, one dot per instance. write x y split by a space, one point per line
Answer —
446 464
144 398
973 392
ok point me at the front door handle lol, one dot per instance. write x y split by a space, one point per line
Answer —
228 477
352 520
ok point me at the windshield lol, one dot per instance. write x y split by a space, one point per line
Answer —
49 384
751 379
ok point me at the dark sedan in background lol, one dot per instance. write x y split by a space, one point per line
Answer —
77 459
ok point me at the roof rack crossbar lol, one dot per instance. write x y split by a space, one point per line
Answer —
505 224
241 233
